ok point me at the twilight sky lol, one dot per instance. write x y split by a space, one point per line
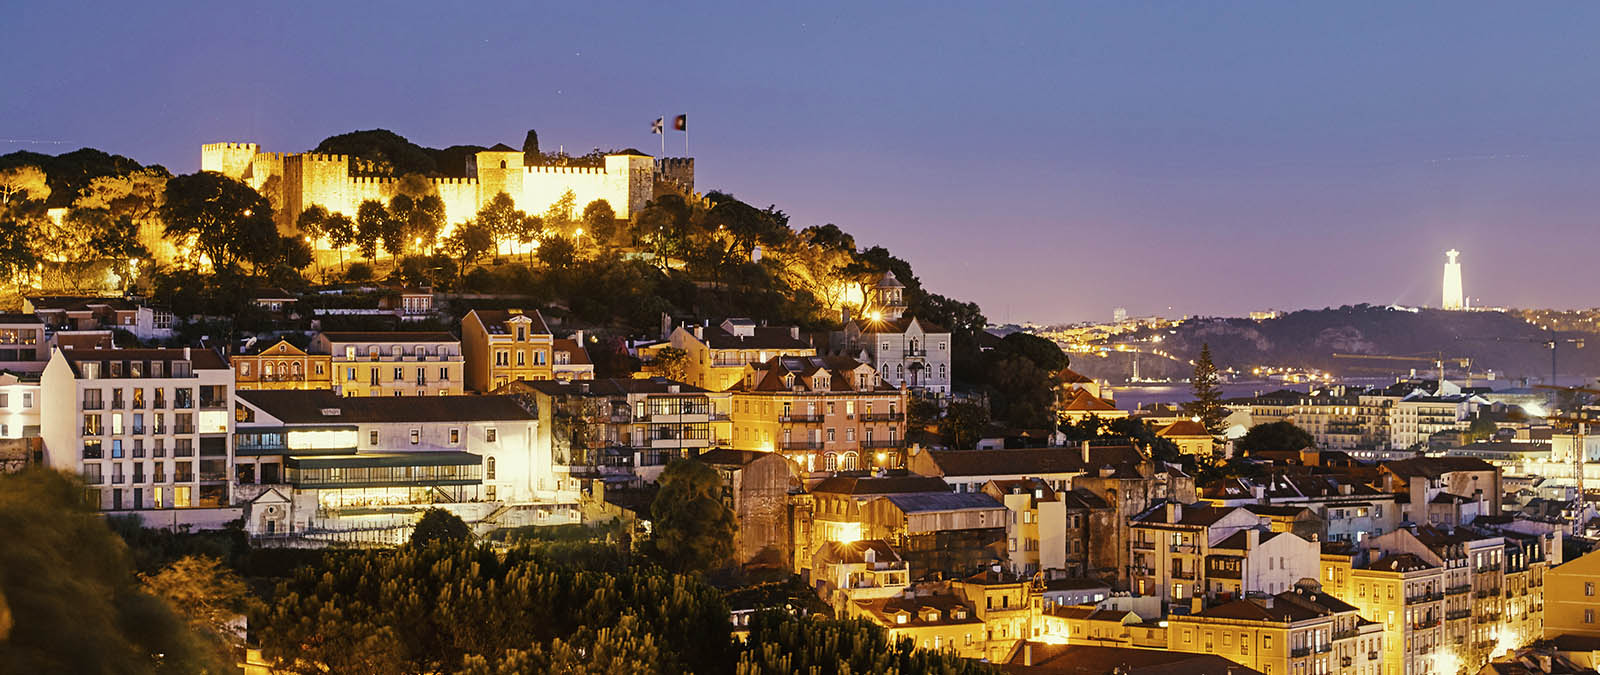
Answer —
1050 161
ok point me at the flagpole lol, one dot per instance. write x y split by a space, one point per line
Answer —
686 135
663 135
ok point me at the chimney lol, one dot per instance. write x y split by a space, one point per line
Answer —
666 327
578 337
1268 601
1086 453
1346 489
699 333
186 356
1174 512
1259 490
794 332
1252 539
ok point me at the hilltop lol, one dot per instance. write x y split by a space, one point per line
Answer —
1505 342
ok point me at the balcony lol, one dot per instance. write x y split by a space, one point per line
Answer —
801 445
1183 574
183 429
187 477
213 475
1299 652
1425 624
1345 661
94 405
1458 590
891 443
1457 614
1346 634
916 353
1185 548
883 417
1144 546
1143 570
95 479
1372 656
92 431
800 419
1324 648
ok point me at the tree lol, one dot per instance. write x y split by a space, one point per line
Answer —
1274 436
502 219
470 242
226 220
693 529
137 198
530 148
529 230
1207 403
600 221
780 644
1482 428
341 232
374 225
23 182
209 595
74 602
311 221
672 363
358 272
420 220
557 253
964 424
439 525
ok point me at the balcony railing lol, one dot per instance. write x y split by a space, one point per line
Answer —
1298 652
1457 614
1344 661
1185 548
1183 574
1324 648
1141 569
916 353
891 443
94 405
882 417
800 419
1372 656
1144 546
1425 597
1458 590
96 479
183 429
1346 634
801 445
1425 624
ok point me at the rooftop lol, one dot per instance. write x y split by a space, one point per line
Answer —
389 336
1123 459
322 406
923 502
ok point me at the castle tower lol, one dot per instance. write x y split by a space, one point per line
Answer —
1452 281
228 159
888 297
499 169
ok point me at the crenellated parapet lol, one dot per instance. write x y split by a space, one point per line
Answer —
566 170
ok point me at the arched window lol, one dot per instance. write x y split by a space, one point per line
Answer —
849 462
266 369
488 473
297 369
395 350
421 351
502 164
372 350
830 462
283 369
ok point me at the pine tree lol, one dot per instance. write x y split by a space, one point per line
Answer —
1207 403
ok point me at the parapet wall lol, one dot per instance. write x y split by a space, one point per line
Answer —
626 181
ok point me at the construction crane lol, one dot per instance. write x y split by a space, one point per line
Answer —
1579 424
1549 343
1438 359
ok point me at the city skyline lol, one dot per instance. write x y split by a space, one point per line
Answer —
1256 146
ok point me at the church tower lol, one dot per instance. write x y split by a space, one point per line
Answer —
888 297
1452 282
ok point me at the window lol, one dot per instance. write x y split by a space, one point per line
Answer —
1588 616
416 436
350 374
455 436
1588 588
488 435
488 472
372 437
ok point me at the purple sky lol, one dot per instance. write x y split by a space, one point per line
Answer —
1049 161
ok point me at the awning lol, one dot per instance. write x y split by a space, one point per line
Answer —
383 459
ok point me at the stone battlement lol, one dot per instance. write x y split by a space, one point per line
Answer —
595 170
228 146
372 180
319 157
453 181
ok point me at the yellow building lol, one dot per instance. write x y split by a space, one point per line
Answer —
931 621
1405 594
282 366
1299 632
501 346
1008 607
717 355
392 363
1572 598
827 413
1083 404
1190 436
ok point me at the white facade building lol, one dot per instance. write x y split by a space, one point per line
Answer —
905 350
145 428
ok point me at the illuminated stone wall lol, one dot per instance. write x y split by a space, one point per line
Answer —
627 182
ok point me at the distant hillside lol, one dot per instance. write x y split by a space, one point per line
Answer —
1505 343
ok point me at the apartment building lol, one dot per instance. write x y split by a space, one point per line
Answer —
1405 594
835 508
937 620
717 356
1170 542
1036 524
758 487
1443 490
145 428
1008 606
1347 509
827 413
24 347
393 363
906 350
281 365
1416 418
844 572
327 460
501 346
1190 436
1253 562
1296 632
944 532
625 428
1572 598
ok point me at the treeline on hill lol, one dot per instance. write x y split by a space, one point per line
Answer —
203 242
1505 342
82 594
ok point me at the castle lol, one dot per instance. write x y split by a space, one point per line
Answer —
627 181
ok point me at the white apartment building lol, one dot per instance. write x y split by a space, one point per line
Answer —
145 428
315 459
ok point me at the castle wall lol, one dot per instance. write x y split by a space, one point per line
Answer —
627 182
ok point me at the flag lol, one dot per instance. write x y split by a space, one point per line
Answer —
655 127
681 122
